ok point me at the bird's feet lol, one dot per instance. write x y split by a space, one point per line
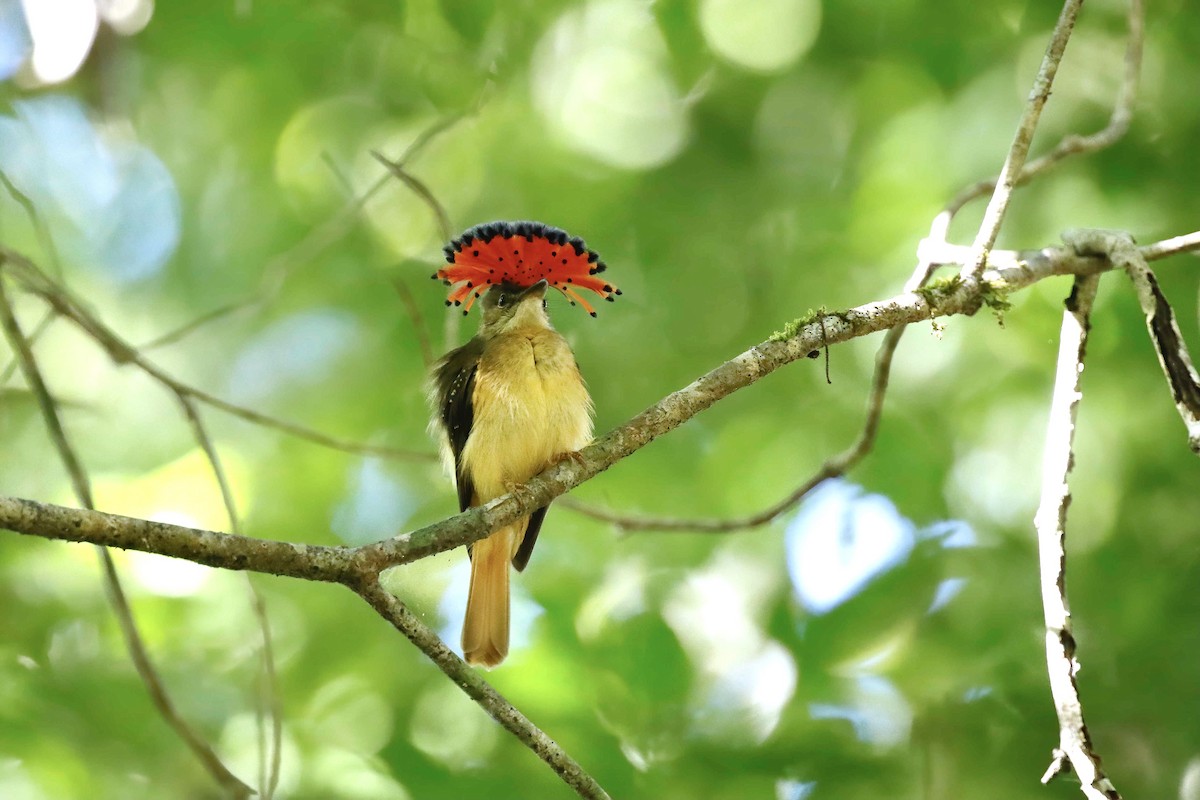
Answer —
570 455
520 491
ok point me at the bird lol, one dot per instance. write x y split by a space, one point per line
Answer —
511 401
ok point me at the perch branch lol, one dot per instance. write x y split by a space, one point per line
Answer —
833 467
1075 747
340 564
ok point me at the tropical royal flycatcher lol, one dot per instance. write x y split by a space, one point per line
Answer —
511 401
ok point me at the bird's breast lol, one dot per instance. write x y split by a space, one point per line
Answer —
530 405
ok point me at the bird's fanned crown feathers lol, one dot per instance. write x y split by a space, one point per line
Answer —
521 253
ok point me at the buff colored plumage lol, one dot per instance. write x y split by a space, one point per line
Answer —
511 401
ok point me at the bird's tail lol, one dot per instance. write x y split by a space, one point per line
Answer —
485 628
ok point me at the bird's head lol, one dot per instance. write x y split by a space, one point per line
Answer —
507 306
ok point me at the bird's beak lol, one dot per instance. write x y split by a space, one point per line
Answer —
537 291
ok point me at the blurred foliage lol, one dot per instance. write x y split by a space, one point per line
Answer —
735 164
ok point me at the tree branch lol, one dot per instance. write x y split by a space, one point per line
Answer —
833 467
1075 747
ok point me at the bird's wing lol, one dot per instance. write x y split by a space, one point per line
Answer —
455 380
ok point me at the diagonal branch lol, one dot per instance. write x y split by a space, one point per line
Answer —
1075 747
479 690
993 217
834 467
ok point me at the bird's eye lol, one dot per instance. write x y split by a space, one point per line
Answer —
502 301
544 306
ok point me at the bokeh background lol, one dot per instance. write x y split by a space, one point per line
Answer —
735 164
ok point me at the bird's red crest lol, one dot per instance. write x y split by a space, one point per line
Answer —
521 253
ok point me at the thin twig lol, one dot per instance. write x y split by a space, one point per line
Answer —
1075 144
124 614
269 753
65 304
318 240
1075 747
471 682
187 329
40 328
417 318
993 217
1168 341
339 176
422 190
41 229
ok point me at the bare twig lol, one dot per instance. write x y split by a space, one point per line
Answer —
993 217
35 219
338 174
124 614
321 238
66 305
1188 243
417 318
422 190
41 327
1075 747
188 328
471 682
269 753
1074 144
1160 320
